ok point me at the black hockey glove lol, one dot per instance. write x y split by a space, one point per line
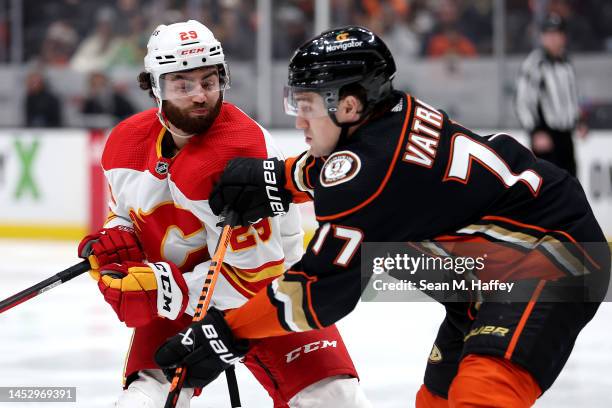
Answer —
206 348
253 188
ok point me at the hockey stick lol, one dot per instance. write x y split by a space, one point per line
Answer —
229 222
49 283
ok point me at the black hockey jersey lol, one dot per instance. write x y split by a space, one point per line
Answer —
412 174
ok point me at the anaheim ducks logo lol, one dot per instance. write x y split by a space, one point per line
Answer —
340 167
435 356
170 233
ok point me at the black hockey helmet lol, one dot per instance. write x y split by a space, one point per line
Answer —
337 58
553 22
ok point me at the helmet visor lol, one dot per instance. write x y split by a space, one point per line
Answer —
185 84
307 103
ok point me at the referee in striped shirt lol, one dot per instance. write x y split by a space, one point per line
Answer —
546 99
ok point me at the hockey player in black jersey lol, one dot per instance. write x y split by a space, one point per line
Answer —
383 166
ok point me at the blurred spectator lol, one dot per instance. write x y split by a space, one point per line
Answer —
39 16
296 28
376 8
546 99
206 11
96 51
58 45
580 33
477 24
236 31
600 13
374 14
423 18
4 38
519 29
125 10
446 38
450 42
105 104
132 46
42 107
343 13
390 21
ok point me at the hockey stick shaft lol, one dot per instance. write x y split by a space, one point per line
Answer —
205 296
45 285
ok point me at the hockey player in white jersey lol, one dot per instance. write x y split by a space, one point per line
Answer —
152 253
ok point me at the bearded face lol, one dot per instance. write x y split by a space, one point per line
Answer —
192 99
193 119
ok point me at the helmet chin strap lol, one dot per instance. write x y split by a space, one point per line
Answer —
169 127
344 127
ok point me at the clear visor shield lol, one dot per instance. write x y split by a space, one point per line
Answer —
189 84
306 104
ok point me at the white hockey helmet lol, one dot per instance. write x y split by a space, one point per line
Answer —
180 47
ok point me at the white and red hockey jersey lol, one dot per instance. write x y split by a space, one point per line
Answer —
166 202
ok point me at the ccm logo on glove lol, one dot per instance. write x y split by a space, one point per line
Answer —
171 305
140 292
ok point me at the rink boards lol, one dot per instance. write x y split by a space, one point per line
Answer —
51 185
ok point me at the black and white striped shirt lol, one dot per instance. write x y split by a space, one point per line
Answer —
546 93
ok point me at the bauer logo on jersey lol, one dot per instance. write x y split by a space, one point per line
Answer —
340 167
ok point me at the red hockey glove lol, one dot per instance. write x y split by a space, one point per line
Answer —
140 292
111 245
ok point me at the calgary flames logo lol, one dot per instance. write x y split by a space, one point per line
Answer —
170 233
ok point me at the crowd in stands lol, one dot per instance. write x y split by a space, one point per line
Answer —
93 36
90 35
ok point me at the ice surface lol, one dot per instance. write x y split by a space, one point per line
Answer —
70 337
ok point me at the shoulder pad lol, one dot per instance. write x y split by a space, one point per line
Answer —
129 143
357 173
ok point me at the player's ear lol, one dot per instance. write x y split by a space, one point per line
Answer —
350 108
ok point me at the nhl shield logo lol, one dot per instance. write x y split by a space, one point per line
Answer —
161 167
340 167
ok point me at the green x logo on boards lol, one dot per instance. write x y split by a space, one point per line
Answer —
26 156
